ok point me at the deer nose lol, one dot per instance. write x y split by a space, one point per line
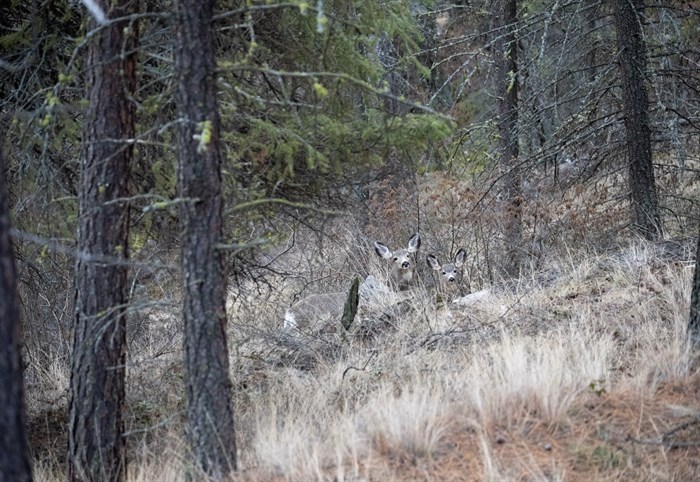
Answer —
451 279
405 265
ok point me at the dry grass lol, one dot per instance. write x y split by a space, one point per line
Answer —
580 372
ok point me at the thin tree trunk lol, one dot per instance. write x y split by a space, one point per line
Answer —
506 52
646 218
14 450
694 322
209 413
96 450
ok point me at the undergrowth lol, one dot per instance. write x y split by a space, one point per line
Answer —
580 375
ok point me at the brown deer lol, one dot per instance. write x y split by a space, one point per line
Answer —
403 261
450 273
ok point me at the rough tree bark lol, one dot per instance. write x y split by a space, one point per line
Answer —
14 450
506 60
694 321
208 386
646 218
95 440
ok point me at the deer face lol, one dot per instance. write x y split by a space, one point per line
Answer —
450 273
403 263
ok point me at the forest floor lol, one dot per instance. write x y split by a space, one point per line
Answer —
580 372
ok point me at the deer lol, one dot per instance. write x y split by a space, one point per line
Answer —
313 310
450 273
316 309
403 264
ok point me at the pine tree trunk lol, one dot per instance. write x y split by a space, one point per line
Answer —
694 322
506 52
14 450
209 413
646 218
96 450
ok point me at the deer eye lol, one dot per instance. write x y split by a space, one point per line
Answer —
444 272
396 259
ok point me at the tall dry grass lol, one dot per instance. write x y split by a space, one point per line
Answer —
440 391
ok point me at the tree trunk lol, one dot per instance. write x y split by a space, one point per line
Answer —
507 90
208 386
96 449
14 450
694 322
646 218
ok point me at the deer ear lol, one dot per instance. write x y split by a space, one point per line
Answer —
433 262
382 250
459 258
414 243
